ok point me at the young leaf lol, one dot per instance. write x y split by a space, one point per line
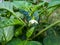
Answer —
29 32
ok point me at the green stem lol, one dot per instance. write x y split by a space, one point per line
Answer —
43 30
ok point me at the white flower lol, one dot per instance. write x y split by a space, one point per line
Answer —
33 21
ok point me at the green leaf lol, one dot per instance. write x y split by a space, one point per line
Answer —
33 43
22 5
6 28
24 42
14 42
6 33
18 14
5 22
54 3
30 32
8 6
54 0
18 31
51 41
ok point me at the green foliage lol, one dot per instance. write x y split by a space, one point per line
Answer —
20 42
54 3
6 33
29 22
52 41
29 32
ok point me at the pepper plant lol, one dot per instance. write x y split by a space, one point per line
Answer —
27 23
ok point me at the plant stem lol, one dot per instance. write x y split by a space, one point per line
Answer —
45 29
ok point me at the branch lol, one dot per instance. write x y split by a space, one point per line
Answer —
45 29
